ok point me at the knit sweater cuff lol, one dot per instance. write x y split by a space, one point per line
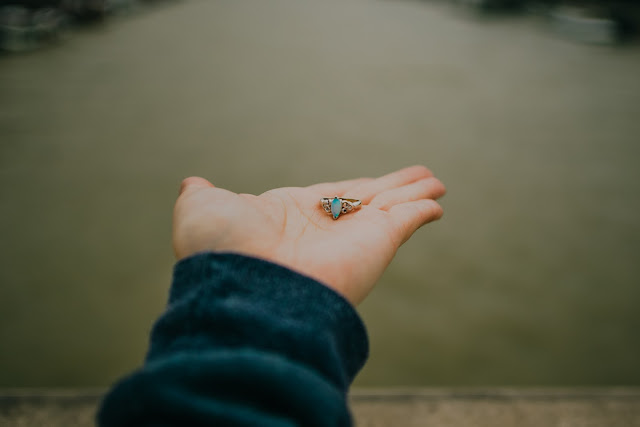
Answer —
232 301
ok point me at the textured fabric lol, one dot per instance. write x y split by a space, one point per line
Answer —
243 342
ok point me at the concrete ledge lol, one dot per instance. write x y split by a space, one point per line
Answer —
441 407
496 407
48 407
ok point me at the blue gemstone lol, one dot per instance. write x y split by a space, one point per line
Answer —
336 207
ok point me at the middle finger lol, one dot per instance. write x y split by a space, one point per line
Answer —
368 190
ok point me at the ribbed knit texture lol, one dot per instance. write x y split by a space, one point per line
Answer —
243 342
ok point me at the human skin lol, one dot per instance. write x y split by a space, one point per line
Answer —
289 227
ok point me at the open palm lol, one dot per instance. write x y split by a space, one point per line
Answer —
288 226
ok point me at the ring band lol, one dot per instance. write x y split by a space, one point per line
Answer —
335 206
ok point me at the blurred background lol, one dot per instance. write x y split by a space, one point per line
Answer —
529 112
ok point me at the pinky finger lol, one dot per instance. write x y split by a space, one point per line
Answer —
410 216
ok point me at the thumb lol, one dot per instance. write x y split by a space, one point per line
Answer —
194 183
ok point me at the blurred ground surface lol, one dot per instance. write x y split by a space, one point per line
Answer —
531 278
385 407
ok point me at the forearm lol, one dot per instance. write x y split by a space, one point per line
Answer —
244 342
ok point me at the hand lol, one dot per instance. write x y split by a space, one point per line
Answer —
288 226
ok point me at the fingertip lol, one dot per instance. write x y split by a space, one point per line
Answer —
427 210
194 182
410 216
441 189
438 211
418 171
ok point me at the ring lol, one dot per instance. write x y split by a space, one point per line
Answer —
337 205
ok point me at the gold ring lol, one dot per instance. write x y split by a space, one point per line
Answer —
335 206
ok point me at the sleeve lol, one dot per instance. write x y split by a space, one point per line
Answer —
243 342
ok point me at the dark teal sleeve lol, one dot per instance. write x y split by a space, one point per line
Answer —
243 342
